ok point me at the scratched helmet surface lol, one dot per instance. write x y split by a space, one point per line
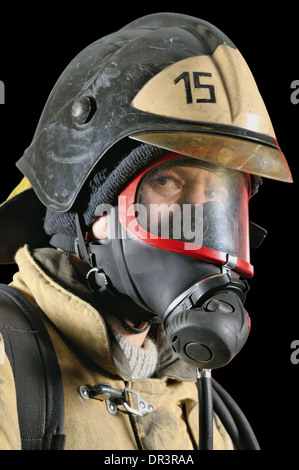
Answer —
170 80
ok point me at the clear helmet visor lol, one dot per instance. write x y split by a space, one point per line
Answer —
202 206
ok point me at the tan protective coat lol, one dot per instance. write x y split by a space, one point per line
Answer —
87 355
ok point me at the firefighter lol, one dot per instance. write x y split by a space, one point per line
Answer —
131 234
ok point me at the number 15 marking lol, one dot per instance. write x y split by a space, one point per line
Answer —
186 77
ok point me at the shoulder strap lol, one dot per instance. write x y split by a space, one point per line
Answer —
39 388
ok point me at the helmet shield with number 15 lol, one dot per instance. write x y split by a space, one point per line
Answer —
169 80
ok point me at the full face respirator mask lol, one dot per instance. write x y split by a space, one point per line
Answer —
177 244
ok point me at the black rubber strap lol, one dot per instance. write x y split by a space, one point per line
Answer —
83 253
39 389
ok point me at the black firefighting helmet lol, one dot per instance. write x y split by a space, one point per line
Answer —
169 80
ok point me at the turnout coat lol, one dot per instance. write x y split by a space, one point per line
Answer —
88 354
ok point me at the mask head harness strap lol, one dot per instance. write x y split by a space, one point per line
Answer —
98 282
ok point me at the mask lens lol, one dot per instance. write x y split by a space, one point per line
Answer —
198 203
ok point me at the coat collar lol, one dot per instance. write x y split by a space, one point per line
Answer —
48 277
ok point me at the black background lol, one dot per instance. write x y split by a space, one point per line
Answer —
38 42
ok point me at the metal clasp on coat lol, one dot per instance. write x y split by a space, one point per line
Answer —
114 397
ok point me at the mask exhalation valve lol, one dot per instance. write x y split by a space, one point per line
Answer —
209 336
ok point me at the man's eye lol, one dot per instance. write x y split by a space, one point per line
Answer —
212 194
163 181
219 195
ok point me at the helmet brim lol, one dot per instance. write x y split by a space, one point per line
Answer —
237 154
